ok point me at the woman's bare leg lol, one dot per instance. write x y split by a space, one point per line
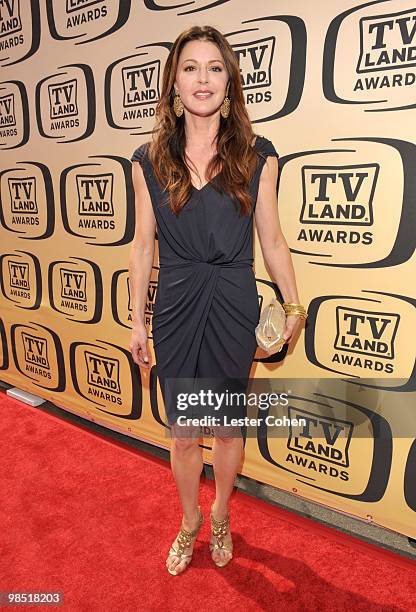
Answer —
186 463
227 454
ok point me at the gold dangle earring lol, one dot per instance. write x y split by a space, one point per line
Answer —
177 105
225 107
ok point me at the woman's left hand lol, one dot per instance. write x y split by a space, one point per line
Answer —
292 324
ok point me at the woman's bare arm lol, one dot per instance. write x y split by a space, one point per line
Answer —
276 253
140 263
273 244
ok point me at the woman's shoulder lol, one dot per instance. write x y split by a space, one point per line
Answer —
140 153
265 146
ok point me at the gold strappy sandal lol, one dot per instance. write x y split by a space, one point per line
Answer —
219 531
184 541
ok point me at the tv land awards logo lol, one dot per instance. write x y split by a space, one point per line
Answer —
132 88
255 59
381 51
133 95
121 301
38 355
366 332
8 114
24 206
88 201
65 104
257 47
322 445
26 201
86 21
10 23
95 200
14 115
105 375
76 289
21 279
387 43
19 30
362 336
339 196
347 457
342 205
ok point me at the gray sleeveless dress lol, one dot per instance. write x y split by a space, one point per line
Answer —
206 306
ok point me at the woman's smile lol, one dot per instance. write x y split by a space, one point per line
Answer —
203 96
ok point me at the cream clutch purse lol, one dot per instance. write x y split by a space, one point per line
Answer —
272 323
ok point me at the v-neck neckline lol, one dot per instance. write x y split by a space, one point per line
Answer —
206 184
218 173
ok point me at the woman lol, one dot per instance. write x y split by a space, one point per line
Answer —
200 182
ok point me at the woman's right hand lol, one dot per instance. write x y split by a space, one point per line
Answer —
138 346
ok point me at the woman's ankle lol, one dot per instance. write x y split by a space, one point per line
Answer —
220 512
190 521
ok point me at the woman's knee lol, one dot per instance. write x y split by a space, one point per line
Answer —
227 434
185 437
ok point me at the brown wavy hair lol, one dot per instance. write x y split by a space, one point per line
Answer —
232 168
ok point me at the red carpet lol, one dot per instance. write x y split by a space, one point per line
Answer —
94 520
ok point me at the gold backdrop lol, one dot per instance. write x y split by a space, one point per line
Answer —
332 85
